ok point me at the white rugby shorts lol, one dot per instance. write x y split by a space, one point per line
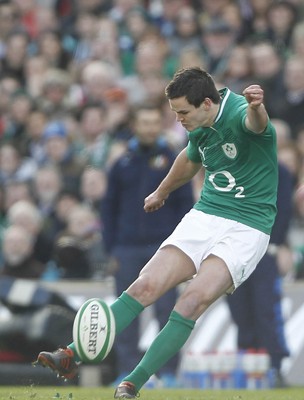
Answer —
240 246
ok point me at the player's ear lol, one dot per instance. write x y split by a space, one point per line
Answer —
207 103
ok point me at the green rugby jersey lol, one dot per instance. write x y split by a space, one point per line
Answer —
241 171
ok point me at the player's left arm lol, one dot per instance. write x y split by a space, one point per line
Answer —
257 117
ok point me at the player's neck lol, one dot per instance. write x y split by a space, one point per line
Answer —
213 113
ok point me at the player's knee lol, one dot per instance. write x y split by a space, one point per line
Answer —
192 305
144 290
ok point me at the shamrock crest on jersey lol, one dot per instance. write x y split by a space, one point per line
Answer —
230 150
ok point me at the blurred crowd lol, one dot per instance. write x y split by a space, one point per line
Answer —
72 72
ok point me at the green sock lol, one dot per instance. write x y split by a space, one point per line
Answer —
168 342
125 308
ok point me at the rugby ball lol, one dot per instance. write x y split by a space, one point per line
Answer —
94 331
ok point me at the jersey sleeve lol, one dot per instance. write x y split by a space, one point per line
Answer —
269 130
193 152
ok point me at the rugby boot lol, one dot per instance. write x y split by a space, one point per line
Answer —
125 390
60 361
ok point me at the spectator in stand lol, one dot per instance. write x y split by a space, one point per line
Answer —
93 188
47 186
55 98
65 203
105 46
36 16
154 65
232 14
27 215
94 138
33 144
16 50
281 19
135 26
45 18
292 102
27 16
258 18
217 40
186 31
12 193
84 34
97 146
61 154
131 236
18 254
50 46
118 111
297 40
95 79
79 250
8 86
238 74
19 109
14 167
35 71
166 15
267 70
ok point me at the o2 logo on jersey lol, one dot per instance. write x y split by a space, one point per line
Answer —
230 150
231 183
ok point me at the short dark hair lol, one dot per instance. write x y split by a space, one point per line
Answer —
193 83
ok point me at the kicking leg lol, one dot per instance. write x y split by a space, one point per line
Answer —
164 271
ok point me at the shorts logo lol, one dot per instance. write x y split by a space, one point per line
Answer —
229 150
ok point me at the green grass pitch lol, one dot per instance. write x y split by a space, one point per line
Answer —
77 393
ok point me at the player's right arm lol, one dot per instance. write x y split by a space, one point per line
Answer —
181 172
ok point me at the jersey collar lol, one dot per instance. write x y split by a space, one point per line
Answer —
225 94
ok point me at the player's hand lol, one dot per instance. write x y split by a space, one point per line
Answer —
154 201
254 95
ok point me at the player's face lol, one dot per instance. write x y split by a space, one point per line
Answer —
189 116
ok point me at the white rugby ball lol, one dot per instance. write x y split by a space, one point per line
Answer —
94 331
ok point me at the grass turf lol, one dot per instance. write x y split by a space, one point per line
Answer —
77 393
